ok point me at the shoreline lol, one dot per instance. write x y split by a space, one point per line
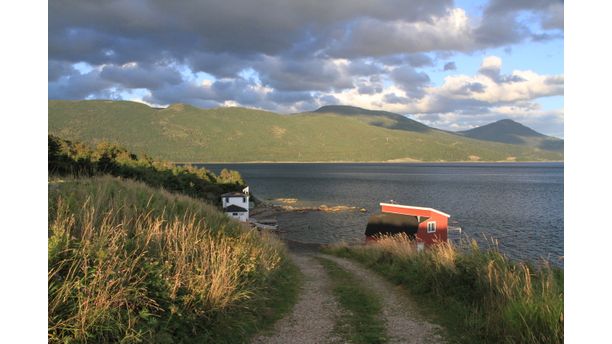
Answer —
268 208
365 162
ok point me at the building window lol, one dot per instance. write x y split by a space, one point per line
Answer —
431 227
243 199
235 214
226 199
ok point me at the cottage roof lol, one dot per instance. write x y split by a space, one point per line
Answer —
233 194
234 209
413 207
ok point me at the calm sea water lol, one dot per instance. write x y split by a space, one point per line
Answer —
520 204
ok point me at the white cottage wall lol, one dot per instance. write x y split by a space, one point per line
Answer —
240 201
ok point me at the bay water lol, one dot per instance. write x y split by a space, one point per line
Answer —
518 204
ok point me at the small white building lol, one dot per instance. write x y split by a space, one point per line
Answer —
236 205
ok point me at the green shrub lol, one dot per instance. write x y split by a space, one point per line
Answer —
68 158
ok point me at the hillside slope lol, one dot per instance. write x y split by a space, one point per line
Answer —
185 133
509 131
383 119
129 263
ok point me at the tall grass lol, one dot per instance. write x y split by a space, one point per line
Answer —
129 263
480 295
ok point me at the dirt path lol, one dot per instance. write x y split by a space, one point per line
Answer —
404 325
313 318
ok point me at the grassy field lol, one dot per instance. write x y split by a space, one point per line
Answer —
130 263
478 295
183 133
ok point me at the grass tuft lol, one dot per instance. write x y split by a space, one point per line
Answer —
478 295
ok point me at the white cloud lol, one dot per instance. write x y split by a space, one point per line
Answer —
465 101
374 101
491 62
483 90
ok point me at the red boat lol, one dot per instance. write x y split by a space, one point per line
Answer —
424 225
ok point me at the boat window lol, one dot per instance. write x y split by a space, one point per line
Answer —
431 227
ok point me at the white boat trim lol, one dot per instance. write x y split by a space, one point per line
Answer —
413 207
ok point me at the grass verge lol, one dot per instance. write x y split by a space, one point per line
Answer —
361 322
129 263
479 296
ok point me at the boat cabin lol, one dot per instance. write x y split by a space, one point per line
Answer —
424 225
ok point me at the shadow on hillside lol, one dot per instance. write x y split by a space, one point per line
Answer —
552 145
400 122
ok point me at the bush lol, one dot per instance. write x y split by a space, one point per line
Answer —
68 158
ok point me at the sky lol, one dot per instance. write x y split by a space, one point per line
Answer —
452 65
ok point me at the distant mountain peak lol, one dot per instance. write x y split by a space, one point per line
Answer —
509 131
506 120
504 126
379 118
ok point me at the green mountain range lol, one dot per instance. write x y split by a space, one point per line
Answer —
183 133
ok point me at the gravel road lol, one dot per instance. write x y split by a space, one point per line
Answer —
312 319
404 324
